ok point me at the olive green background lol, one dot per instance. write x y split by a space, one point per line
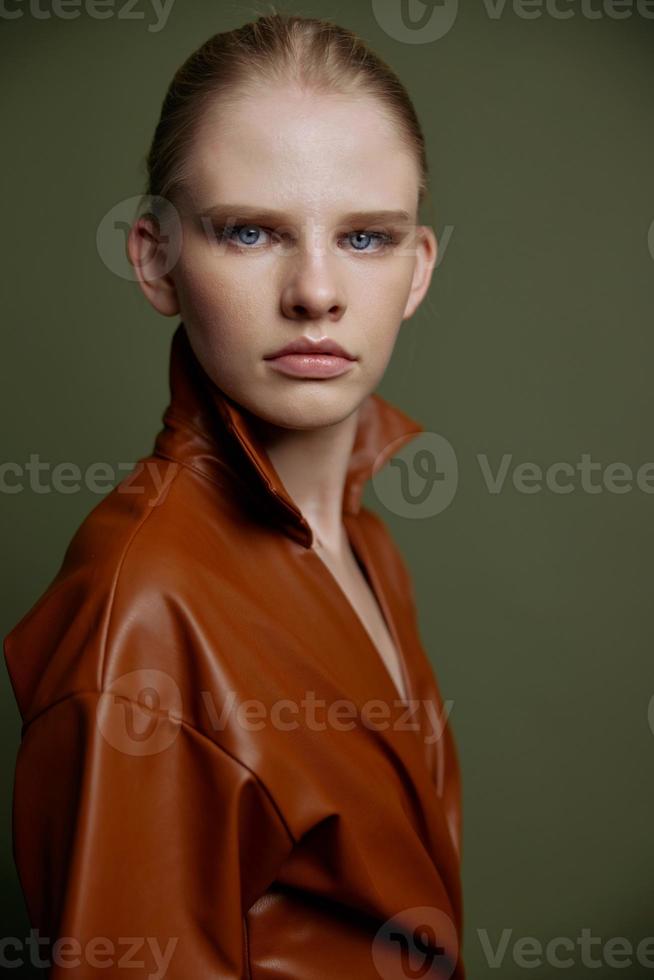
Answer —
535 341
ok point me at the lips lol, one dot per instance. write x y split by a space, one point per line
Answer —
302 345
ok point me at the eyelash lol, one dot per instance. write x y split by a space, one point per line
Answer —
386 239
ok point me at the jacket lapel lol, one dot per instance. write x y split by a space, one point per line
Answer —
206 429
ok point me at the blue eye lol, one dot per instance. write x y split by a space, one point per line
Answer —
369 236
248 237
245 233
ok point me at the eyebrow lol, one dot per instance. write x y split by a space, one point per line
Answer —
246 212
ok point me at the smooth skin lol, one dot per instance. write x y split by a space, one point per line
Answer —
313 159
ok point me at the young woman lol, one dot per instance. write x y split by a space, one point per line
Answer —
235 760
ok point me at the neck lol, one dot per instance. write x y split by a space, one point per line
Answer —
312 464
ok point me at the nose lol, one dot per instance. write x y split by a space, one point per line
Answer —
312 289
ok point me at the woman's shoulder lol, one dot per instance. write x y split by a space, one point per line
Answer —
121 598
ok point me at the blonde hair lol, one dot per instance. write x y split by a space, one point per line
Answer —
314 54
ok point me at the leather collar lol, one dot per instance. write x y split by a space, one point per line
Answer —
207 430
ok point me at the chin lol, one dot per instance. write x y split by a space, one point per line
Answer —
306 404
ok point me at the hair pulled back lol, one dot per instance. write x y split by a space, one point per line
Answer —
315 54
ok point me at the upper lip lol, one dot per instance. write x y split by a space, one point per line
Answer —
302 345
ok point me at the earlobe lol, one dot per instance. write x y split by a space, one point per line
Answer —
152 259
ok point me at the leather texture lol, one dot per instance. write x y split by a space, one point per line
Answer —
199 759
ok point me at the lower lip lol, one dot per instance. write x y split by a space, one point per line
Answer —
311 365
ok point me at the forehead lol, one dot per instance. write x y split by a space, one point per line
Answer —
304 151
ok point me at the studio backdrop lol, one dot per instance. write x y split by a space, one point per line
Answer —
529 364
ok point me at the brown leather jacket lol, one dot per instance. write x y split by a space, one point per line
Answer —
217 778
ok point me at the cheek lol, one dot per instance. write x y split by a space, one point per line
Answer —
383 303
226 311
384 295
216 295
388 282
381 336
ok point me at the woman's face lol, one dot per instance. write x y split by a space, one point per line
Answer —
305 176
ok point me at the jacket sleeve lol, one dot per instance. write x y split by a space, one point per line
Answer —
140 843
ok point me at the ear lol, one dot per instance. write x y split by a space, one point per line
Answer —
153 253
426 253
